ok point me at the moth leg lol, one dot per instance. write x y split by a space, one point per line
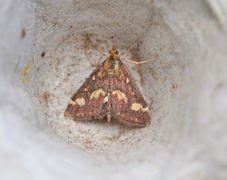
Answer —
136 62
108 117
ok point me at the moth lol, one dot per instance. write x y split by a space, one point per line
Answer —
110 92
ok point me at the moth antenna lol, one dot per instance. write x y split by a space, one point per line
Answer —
103 53
129 48
136 62
151 103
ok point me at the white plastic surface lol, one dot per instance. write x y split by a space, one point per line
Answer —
61 42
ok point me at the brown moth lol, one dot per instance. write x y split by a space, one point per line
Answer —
110 91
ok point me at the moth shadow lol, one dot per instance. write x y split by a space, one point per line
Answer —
103 123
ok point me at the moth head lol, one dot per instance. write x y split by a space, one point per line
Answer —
114 53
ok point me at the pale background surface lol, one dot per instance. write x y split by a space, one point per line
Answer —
186 83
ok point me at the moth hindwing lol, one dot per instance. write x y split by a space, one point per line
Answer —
110 91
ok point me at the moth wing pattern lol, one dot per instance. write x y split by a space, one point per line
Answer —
128 104
110 91
90 101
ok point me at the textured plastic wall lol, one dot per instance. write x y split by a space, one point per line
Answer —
48 49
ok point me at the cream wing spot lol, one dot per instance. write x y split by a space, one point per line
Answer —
146 109
120 95
80 101
136 120
72 102
138 106
106 99
95 94
85 90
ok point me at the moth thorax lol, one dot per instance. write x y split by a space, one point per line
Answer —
116 64
114 53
